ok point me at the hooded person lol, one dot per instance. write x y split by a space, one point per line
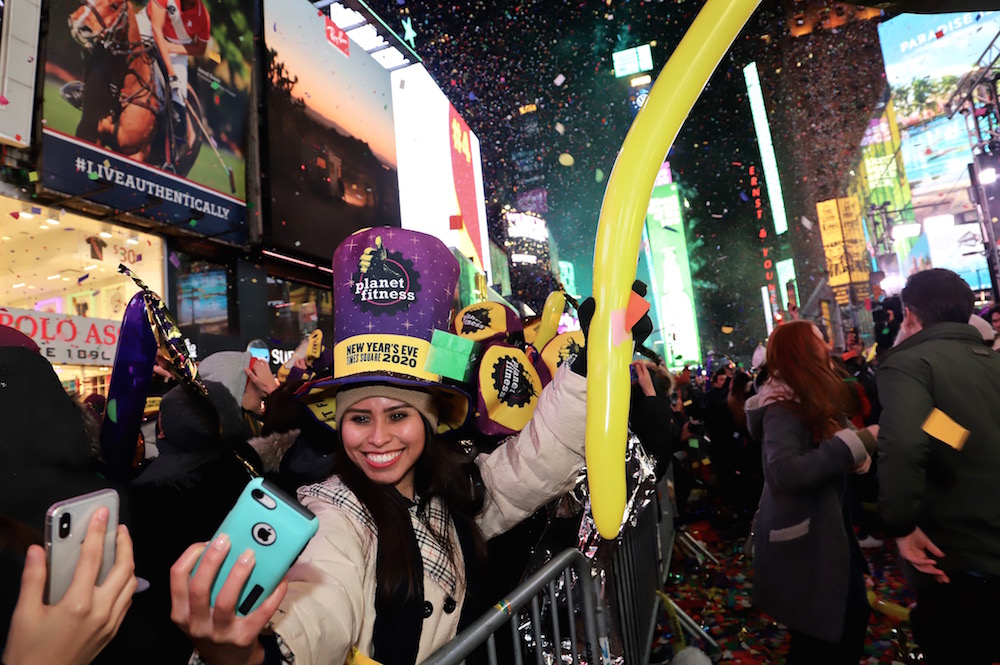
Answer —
209 448
395 569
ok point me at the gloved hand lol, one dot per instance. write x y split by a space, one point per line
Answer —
585 312
176 90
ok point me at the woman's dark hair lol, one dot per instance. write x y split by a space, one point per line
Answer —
822 395
441 471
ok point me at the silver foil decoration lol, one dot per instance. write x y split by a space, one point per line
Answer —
640 484
640 493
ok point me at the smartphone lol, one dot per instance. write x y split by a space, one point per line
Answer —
272 524
632 375
65 528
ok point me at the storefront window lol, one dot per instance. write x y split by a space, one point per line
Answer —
60 286
296 310
202 295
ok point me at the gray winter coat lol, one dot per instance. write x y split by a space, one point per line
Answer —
802 551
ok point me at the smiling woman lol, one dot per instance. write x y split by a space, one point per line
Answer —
395 570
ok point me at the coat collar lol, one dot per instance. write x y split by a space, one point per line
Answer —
948 330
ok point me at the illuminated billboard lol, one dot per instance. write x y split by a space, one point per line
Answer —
440 169
632 60
117 134
527 238
925 56
671 276
332 148
522 225
763 130
847 262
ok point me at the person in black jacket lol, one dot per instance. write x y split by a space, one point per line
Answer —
651 418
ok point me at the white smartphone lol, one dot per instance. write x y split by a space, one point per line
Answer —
65 528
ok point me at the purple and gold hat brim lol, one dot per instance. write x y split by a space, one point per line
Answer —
454 404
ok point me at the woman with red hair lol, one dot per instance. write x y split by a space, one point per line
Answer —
808 567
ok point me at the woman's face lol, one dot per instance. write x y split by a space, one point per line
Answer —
384 438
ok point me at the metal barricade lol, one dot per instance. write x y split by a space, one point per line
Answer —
582 599
635 566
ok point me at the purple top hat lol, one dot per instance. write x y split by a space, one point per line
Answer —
392 288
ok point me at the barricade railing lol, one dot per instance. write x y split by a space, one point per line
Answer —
577 597
635 566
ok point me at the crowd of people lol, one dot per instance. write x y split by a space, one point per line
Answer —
410 492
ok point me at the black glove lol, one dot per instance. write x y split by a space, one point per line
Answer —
585 312
643 328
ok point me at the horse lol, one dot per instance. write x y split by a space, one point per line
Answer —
124 94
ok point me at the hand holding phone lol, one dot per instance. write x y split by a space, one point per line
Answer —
60 634
65 530
273 529
239 572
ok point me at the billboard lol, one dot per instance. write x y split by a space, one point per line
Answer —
440 169
843 237
159 136
331 146
632 60
925 56
671 277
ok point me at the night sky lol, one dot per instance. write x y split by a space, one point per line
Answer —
492 57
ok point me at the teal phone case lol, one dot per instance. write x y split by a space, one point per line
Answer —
272 524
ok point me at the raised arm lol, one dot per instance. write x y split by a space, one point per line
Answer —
539 463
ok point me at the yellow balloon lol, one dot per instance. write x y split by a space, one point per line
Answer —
609 344
549 323
890 609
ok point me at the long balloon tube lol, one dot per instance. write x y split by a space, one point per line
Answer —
609 344
549 324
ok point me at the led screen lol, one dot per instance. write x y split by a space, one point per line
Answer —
925 56
116 134
202 297
632 60
440 170
671 276
332 149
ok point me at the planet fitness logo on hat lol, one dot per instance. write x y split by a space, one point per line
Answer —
511 382
385 282
475 320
